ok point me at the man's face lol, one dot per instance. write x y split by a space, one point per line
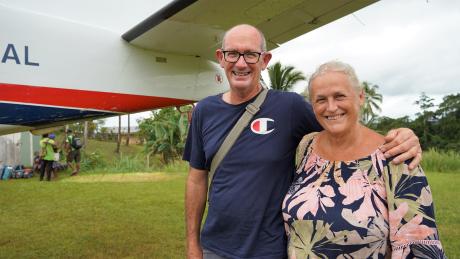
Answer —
241 75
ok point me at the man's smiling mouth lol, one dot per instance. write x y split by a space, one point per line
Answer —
240 73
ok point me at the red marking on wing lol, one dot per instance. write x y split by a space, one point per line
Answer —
84 99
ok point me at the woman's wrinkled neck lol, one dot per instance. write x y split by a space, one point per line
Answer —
348 138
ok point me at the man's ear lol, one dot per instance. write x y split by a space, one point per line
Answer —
267 56
220 57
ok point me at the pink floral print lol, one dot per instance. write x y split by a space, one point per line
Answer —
367 208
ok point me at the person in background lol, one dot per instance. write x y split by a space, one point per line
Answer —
37 163
73 153
347 200
47 146
55 166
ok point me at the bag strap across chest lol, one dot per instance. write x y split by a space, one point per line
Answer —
230 139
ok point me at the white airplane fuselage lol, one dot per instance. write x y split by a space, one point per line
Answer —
53 70
56 70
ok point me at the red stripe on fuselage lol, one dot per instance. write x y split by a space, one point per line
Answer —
72 98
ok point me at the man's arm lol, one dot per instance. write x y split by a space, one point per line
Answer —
52 143
67 145
195 203
404 143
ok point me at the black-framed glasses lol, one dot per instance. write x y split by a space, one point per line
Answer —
249 57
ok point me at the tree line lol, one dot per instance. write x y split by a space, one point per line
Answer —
165 131
437 127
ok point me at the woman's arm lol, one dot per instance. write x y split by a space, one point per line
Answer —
413 231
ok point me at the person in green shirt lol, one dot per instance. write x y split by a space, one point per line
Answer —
73 153
47 146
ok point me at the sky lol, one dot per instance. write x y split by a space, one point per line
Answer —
406 47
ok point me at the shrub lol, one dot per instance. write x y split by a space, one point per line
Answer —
441 161
128 164
91 161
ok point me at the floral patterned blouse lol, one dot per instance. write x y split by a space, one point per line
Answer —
366 208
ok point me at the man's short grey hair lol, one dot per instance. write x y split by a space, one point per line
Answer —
263 45
337 66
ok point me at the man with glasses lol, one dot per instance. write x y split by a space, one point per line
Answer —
244 215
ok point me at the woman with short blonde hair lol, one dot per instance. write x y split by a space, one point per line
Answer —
347 199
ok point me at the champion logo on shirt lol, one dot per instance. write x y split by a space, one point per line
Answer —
263 126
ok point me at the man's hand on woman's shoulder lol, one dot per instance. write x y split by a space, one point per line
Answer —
404 144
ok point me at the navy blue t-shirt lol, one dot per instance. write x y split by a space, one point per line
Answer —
244 214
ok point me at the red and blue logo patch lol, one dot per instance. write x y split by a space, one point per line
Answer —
262 126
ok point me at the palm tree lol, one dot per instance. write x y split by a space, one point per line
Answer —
372 102
284 77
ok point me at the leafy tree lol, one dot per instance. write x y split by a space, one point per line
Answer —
99 125
450 106
448 125
424 102
425 117
372 102
284 77
165 132
438 129
79 127
385 124
104 133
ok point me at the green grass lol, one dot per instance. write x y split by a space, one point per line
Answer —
134 215
441 161
445 189
129 156
100 157
107 149
126 215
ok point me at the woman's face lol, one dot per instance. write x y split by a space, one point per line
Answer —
335 102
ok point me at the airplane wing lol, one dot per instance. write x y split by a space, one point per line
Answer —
195 27
44 82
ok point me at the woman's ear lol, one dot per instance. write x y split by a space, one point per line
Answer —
362 97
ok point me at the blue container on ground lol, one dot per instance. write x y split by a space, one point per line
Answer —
7 172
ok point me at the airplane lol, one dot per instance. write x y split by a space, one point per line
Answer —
55 70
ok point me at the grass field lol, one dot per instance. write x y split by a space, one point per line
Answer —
446 189
136 215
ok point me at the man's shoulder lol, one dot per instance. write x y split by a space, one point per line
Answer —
208 102
291 98
284 94
209 99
